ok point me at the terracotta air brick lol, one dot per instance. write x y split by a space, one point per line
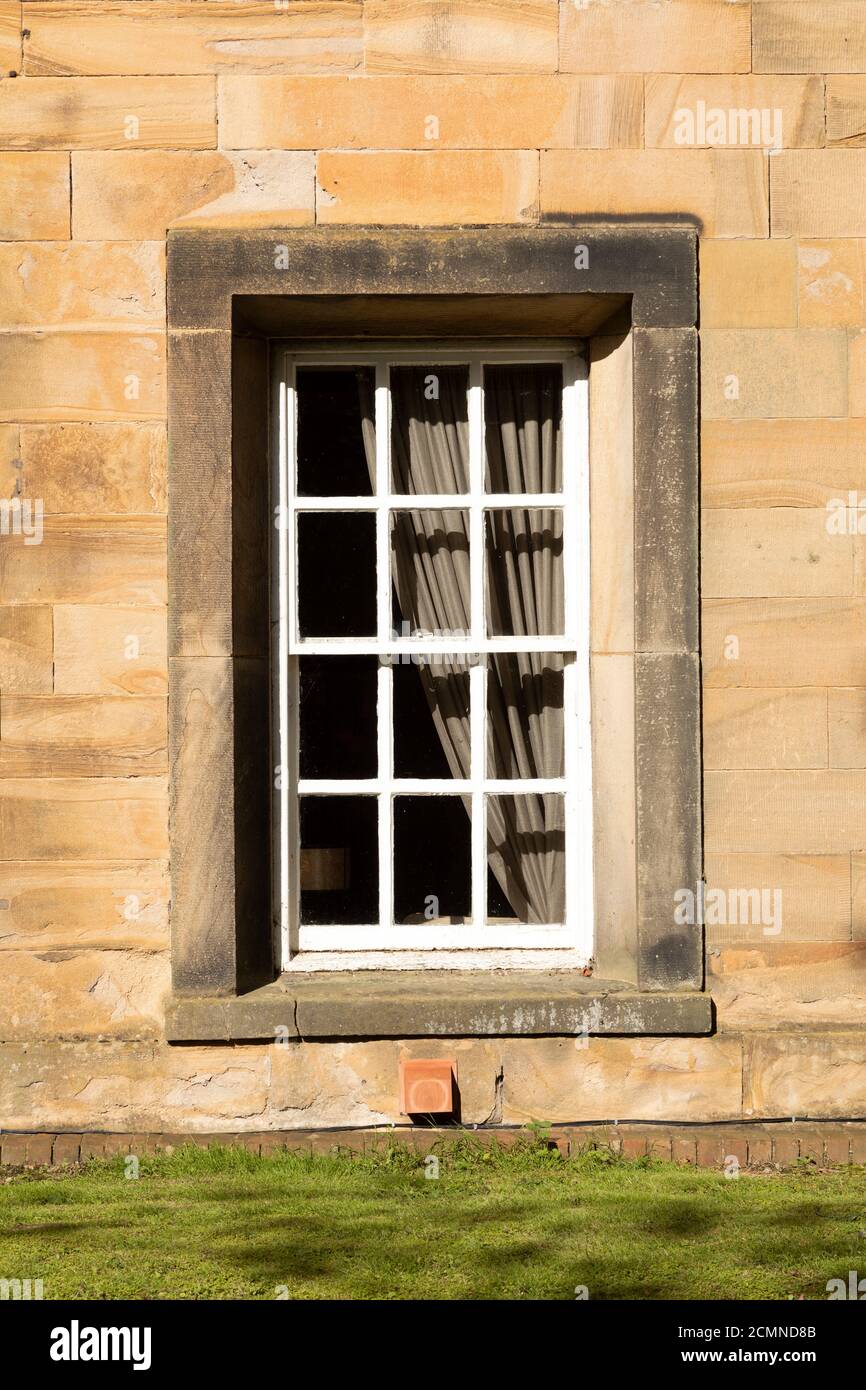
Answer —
92 1146
634 1145
272 1143
786 1149
684 1149
67 1148
837 1148
858 1146
13 1150
711 1150
760 1150
39 1148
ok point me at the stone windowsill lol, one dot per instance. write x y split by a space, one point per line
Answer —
415 1004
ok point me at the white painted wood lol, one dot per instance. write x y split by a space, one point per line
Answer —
426 501
428 937
395 944
494 958
433 786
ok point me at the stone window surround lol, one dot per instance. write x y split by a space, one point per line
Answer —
635 301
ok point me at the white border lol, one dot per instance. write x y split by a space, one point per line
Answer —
463 946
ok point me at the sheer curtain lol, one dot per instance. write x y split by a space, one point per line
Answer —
430 453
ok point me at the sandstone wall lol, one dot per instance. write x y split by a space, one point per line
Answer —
121 118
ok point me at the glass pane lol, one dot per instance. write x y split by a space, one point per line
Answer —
523 428
337 574
331 743
339 860
526 852
524 715
431 717
429 429
525 590
336 431
430 571
432 859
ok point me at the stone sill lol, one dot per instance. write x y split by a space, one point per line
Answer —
437 1004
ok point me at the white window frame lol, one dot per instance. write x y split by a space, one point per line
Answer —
569 943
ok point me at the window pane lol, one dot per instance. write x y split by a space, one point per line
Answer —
525 591
337 574
526 846
429 429
339 860
431 717
332 744
336 431
432 859
523 428
430 570
524 712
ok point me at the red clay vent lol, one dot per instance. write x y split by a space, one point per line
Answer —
427 1087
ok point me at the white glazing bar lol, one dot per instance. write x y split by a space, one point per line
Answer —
386 801
478 671
579 892
384 703
412 501
438 936
429 786
291 793
283 733
383 488
423 646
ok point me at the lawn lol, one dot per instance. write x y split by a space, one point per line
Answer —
494 1224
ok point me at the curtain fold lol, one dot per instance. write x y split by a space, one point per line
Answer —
430 454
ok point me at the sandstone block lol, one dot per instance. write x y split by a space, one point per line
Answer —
116 650
34 196
435 188
725 191
190 36
459 36
132 196
685 36
430 113
105 113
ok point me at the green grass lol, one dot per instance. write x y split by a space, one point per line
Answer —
524 1223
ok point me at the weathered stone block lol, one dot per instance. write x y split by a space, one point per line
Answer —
434 188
